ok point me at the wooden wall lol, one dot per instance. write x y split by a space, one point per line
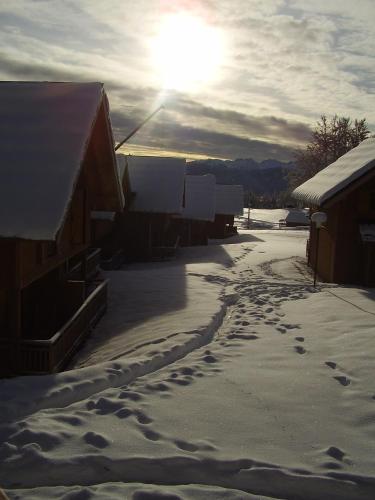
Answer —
343 257
32 272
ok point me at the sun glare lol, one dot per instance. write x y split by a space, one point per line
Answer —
186 52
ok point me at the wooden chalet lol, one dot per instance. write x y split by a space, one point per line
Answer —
345 191
198 211
228 203
57 164
155 187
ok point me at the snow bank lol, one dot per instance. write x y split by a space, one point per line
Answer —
280 403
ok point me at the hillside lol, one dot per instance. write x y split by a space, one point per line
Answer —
266 177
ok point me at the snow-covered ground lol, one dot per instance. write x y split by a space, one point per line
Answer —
220 374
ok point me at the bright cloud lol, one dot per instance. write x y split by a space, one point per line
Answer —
285 63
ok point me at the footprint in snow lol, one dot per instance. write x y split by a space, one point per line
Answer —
299 339
299 349
69 419
345 381
158 387
151 435
181 381
242 336
133 396
338 455
290 326
96 440
184 445
124 413
331 364
142 417
104 406
209 359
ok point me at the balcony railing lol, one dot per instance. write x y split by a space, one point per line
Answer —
45 356
92 263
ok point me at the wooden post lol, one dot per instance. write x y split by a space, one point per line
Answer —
15 294
149 242
316 255
84 266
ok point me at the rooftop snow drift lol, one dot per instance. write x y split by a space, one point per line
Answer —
158 183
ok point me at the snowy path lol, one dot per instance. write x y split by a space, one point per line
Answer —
278 403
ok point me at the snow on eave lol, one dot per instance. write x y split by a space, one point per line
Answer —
121 194
229 199
199 197
338 176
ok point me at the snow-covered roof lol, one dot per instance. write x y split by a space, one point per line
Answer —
44 132
229 199
199 197
158 184
338 175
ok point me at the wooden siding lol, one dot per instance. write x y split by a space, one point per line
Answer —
343 257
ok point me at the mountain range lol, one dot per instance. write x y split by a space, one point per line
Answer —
265 177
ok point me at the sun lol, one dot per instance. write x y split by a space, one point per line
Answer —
186 52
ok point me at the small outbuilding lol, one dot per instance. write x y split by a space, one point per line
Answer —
57 164
198 211
295 218
229 201
344 252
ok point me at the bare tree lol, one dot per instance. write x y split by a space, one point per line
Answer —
330 140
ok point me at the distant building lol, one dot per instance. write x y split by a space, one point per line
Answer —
198 211
229 201
157 191
345 191
57 165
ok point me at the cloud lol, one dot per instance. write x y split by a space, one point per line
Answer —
172 136
286 63
266 127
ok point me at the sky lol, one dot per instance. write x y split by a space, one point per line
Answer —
237 78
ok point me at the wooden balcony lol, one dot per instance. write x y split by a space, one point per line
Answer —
92 264
33 356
